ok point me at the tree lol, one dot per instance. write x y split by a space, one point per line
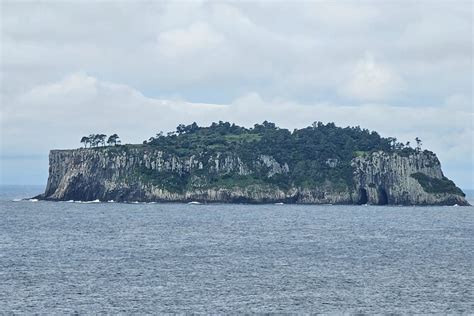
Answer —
181 129
113 140
192 128
96 139
418 143
85 140
92 140
399 146
269 125
101 139
264 126
317 124
393 142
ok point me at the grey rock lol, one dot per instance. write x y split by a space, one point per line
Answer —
111 174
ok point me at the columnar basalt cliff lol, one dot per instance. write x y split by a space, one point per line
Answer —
415 179
147 173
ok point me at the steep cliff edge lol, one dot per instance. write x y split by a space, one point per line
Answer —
414 179
146 173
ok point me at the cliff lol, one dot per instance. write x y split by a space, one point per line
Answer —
414 179
148 173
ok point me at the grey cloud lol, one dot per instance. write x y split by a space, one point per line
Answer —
73 66
300 50
80 104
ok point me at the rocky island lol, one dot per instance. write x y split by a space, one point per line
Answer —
226 163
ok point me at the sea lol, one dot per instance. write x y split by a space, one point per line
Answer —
117 258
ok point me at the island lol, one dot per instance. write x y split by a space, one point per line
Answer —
227 163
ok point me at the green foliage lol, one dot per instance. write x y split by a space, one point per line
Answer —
94 140
231 181
359 153
85 140
405 152
113 140
434 185
168 180
306 151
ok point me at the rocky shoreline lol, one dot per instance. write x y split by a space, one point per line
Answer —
100 174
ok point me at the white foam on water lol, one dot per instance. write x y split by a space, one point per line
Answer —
70 201
194 203
33 200
88 202
17 200
110 201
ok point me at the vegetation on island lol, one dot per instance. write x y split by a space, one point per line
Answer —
319 154
434 185
316 155
94 140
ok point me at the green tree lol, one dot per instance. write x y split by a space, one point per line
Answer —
113 140
101 139
418 143
393 142
85 140
181 129
93 140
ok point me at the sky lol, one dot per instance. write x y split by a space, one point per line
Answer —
70 68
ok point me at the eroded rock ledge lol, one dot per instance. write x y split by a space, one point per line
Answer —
149 174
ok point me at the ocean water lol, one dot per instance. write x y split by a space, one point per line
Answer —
59 257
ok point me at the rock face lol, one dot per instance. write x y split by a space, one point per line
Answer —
383 178
148 174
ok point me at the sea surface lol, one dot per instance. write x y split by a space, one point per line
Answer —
88 258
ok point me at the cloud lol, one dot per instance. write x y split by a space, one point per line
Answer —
80 104
372 81
139 67
198 38
459 101
303 51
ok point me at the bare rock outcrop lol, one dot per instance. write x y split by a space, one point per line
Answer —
148 174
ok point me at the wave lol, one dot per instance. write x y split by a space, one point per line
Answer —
88 202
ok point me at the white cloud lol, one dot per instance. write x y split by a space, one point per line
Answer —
81 104
371 80
459 101
61 63
301 50
198 38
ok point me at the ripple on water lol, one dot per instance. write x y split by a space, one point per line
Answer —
157 258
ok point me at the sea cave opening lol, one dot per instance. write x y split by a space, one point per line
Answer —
383 197
363 197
